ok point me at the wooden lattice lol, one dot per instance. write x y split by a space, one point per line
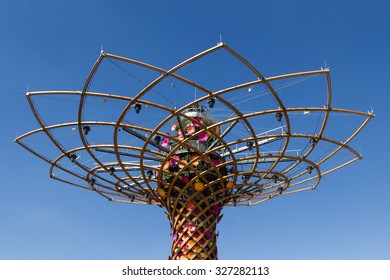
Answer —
186 160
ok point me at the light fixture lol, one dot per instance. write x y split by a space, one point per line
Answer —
86 129
137 108
279 116
309 169
132 198
149 173
211 102
111 171
72 157
234 201
157 139
275 178
245 178
92 182
313 141
249 144
280 190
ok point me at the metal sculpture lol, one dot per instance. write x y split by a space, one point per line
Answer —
152 142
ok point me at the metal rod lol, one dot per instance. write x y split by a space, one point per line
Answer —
112 151
144 138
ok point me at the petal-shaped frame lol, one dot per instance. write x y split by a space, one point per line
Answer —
256 176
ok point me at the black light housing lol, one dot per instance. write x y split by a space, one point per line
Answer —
149 173
86 129
157 139
137 108
211 102
111 170
249 144
279 116
92 182
310 169
245 178
72 157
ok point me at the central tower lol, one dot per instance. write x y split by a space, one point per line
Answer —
194 184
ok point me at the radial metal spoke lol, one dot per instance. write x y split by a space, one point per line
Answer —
144 138
127 154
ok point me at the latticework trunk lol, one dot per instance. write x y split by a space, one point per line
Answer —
194 231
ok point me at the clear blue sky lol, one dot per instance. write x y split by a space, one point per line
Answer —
51 45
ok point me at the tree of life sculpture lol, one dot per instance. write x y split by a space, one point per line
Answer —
192 144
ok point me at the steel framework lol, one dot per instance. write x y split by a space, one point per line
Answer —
185 158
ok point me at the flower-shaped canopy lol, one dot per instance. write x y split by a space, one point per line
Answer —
212 124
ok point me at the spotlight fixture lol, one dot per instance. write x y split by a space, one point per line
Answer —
313 141
86 129
149 173
245 178
157 139
211 102
92 182
72 157
279 116
137 108
309 169
111 171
